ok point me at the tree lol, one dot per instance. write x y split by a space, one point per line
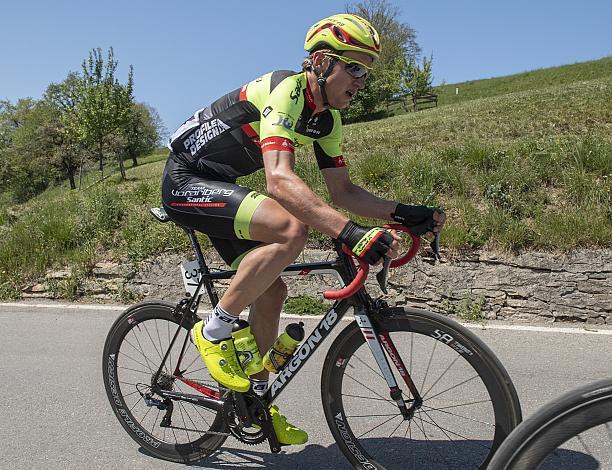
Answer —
26 167
103 107
417 80
398 45
67 152
142 132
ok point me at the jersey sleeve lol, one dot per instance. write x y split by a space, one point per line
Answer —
328 149
280 113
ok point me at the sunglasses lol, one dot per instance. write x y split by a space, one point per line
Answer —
354 68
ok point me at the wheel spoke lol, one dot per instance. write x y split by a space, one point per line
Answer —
146 329
454 433
376 427
444 431
372 369
368 388
135 370
441 375
367 398
140 346
121 353
396 428
433 350
140 351
457 415
586 448
372 416
451 388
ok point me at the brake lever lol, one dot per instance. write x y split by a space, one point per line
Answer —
383 275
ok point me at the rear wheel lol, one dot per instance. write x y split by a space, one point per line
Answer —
469 402
133 351
573 431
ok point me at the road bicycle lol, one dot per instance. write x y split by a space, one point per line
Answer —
571 432
400 387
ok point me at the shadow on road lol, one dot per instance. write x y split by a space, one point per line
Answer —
393 453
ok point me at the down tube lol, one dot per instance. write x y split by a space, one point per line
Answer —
304 352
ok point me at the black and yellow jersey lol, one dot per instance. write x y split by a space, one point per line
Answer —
274 112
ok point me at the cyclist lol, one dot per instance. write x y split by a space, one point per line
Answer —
258 126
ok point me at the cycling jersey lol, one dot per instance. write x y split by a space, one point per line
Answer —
274 112
226 140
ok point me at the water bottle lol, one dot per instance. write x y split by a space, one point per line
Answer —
284 347
246 347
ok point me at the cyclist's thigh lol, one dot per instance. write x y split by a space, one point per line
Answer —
219 209
272 223
233 251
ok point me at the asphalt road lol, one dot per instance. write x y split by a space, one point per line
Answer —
55 414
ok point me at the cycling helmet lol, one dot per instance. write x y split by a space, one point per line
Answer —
343 32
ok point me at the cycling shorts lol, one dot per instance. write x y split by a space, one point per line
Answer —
220 209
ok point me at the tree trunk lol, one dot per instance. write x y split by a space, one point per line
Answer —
134 161
121 166
71 177
101 159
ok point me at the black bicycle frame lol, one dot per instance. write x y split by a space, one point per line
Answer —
344 266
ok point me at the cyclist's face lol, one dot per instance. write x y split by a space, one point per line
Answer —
341 85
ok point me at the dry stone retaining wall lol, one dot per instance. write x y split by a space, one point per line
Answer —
554 287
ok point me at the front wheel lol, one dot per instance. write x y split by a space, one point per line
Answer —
469 404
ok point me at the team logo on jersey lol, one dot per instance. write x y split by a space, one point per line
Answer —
203 134
295 94
284 120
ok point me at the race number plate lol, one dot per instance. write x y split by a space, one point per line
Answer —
191 276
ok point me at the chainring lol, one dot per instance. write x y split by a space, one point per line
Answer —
257 409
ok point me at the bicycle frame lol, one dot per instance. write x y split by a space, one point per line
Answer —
344 268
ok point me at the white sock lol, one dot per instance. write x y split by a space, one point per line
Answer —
218 325
259 386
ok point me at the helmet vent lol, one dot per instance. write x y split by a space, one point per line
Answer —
339 34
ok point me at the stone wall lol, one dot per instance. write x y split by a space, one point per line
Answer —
574 287
536 286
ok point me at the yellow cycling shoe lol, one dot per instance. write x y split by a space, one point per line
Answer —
221 360
286 433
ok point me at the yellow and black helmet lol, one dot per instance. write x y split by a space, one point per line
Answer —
343 32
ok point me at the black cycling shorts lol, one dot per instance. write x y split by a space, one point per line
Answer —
220 209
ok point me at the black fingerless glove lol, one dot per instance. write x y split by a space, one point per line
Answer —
369 243
418 219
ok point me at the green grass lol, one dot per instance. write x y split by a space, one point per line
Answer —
305 305
531 80
523 169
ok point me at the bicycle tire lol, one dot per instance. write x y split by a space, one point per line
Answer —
132 353
493 391
535 443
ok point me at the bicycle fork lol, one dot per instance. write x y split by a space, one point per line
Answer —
377 341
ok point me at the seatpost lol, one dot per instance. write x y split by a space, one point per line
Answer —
214 298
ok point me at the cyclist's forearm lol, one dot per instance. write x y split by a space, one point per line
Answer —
295 196
361 202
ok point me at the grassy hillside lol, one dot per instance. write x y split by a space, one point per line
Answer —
532 80
526 168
